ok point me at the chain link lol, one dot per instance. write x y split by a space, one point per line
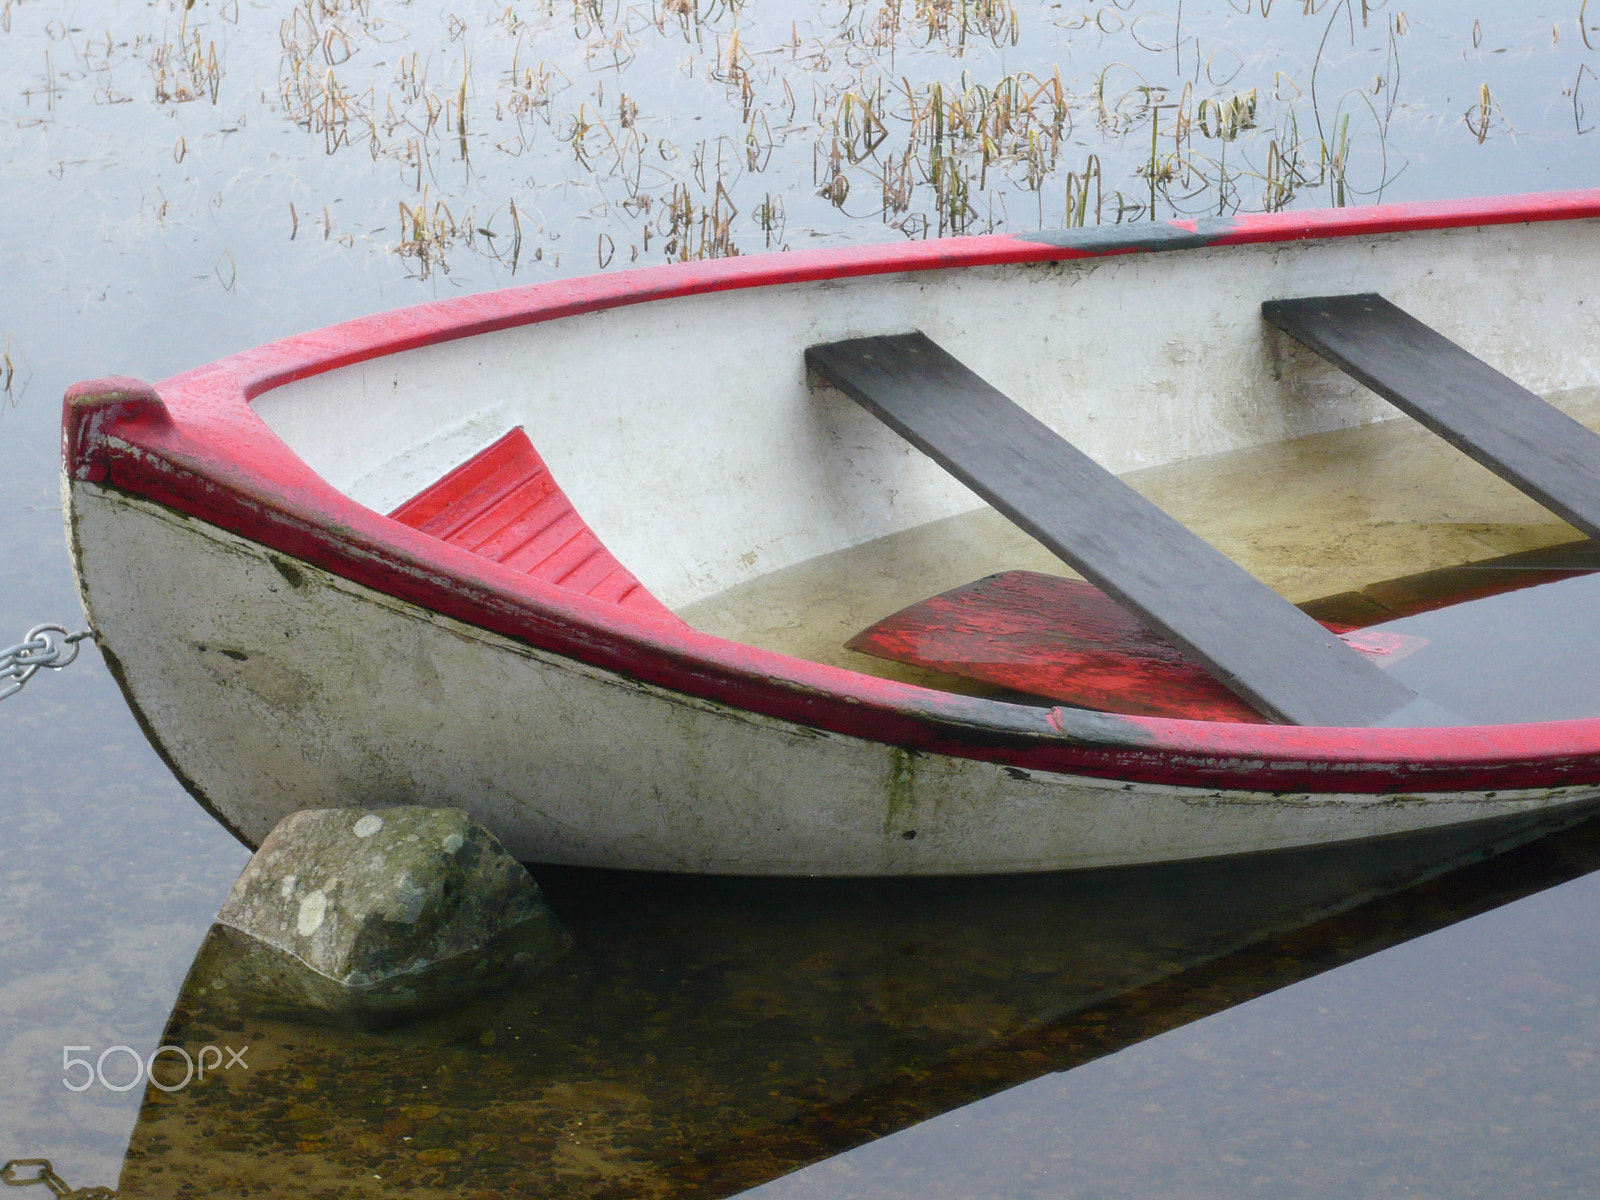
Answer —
26 1172
42 646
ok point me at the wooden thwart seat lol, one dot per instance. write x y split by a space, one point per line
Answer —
503 503
1249 638
1527 442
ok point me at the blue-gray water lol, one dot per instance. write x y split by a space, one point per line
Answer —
178 184
1460 1064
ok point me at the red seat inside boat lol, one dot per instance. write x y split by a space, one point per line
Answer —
1065 640
504 504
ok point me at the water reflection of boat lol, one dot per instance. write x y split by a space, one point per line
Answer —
704 1035
287 645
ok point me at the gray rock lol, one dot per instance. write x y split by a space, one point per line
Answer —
375 915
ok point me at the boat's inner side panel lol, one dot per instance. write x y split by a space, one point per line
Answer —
687 435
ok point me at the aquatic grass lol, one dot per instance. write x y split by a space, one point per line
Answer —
10 390
930 117
1077 210
427 232
1477 118
1577 98
187 69
934 150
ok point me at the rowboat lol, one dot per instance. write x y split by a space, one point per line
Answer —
1010 553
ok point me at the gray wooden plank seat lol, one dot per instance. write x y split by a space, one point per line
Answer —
1494 420
1251 639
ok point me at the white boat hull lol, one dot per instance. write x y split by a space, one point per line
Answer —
270 684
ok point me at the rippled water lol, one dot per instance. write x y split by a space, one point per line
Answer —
179 183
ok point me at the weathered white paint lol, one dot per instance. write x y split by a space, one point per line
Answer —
685 433
275 690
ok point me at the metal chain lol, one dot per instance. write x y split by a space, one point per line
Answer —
42 646
12 1175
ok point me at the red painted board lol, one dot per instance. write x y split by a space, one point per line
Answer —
1066 640
503 504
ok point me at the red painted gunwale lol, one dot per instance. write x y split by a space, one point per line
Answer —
194 444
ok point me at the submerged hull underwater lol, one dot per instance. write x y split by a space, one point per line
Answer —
287 646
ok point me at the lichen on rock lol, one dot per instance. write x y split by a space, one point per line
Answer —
377 914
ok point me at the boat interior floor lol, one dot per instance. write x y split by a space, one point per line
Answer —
1193 605
1357 526
1194 569
1464 400
1279 661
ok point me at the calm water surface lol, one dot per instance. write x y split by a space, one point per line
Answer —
1460 1064
180 183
